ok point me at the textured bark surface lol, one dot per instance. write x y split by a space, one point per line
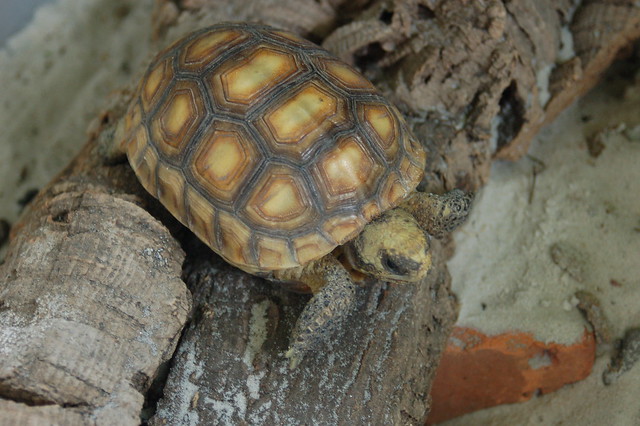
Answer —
91 300
230 366
91 303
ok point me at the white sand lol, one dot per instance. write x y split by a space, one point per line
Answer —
503 270
58 73
590 207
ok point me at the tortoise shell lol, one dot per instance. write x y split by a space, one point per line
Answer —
270 149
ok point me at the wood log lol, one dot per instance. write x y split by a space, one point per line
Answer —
91 297
230 366
91 301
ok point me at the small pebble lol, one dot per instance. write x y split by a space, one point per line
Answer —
569 259
625 358
590 306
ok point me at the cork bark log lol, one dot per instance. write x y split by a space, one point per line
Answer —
96 290
91 301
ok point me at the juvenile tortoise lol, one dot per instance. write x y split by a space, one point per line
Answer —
274 152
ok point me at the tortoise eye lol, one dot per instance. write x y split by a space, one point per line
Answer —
391 265
399 266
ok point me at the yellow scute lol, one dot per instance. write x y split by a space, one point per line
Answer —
263 70
301 113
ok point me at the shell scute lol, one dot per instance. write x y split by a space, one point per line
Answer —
225 158
155 83
264 69
206 47
280 200
302 121
346 76
178 118
346 172
171 187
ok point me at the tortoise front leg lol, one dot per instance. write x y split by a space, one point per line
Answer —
333 300
439 214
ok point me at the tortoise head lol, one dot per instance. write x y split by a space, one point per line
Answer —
391 247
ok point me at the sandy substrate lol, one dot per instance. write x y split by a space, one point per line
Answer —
557 222
553 224
58 74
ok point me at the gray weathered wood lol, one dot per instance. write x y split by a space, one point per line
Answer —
91 300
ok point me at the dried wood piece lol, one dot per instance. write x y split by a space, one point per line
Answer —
230 367
470 85
347 39
91 300
570 259
383 23
598 29
484 76
591 308
13 413
310 18
626 356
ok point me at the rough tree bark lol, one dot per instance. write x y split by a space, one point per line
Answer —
91 300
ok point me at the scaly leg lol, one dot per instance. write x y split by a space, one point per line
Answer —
439 214
333 300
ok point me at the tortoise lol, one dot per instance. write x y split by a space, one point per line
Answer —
274 153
